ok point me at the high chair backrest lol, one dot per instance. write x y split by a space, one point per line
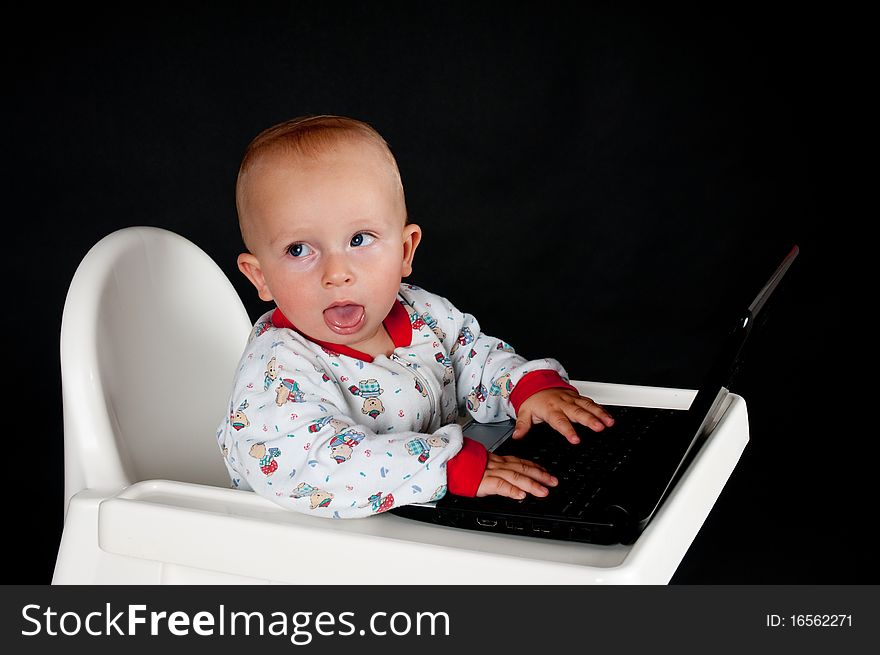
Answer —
151 333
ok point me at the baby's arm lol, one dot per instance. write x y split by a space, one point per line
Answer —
292 440
474 472
493 382
487 370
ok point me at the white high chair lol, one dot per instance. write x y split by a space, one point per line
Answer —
151 333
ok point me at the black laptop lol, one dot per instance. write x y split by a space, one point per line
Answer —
613 482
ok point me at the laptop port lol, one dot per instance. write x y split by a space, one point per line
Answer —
487 523
540 529
515 525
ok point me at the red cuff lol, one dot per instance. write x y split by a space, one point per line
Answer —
464 472
532 383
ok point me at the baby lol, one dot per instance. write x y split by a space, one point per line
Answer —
346 399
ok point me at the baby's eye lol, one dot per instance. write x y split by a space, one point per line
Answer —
362 239
299 250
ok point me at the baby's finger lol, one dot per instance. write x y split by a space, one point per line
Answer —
524 466
522 482
583 415
596 410
495 486
559 422
523 423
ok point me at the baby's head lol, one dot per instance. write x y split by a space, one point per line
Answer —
323 217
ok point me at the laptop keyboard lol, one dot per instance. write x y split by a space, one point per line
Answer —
582 469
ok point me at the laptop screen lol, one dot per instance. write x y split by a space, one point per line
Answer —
725 364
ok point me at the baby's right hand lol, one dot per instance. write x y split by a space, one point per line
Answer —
514 477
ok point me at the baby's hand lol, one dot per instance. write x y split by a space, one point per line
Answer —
512 477
559 407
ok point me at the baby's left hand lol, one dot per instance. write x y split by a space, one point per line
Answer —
559 407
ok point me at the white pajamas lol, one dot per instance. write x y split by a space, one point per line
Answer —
322 429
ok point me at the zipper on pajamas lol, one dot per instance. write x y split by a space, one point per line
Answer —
421 378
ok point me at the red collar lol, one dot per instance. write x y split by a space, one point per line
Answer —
397 323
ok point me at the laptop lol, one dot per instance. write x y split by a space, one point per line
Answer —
612 483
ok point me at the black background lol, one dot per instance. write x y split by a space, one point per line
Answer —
603 187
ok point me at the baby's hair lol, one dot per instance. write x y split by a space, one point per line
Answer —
309 136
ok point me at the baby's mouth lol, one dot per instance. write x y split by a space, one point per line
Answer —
344 319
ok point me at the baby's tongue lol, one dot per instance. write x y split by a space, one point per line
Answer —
343 317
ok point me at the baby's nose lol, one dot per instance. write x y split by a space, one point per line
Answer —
337 271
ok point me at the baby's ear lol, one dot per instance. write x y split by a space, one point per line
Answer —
412 235
250 266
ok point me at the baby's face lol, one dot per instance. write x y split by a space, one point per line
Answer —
328 241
